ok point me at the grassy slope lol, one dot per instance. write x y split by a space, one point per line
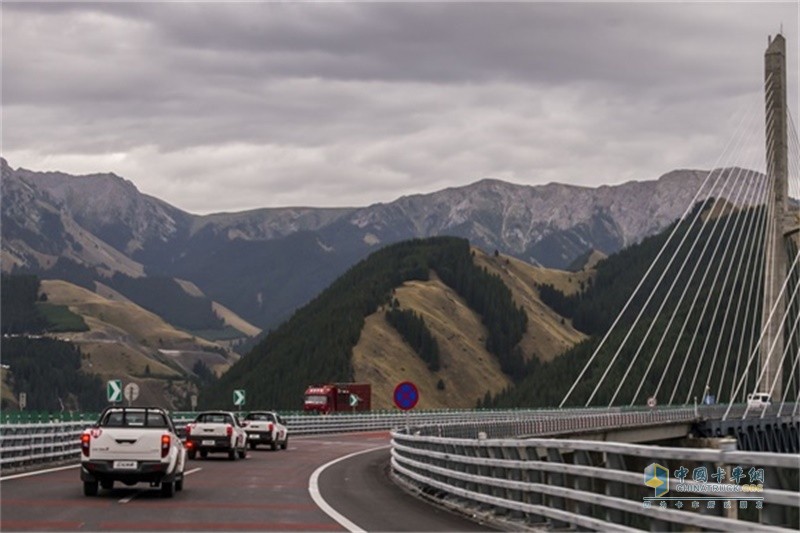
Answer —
468 370
229 317
383 359
546 336
124 339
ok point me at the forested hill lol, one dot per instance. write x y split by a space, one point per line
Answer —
594 310
47 370
316 344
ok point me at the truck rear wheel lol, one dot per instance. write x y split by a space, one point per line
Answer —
273 445
168 489
285 443
192 454
232 455
90 488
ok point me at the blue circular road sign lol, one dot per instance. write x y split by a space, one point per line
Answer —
406 395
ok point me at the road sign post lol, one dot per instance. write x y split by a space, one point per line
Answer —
131 392
238 398
406 397
114 390
23 401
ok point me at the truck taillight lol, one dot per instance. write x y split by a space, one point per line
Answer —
188 429
85 440
229 430
165 442
270 426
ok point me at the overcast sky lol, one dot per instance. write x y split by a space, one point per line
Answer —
224 107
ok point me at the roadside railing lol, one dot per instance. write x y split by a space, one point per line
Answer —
28 444
540 483
55 438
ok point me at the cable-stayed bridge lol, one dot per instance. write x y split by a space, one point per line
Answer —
709 341
715 317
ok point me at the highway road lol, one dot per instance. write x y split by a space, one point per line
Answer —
268 491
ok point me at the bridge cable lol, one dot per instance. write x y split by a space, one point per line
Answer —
648 272
686 288
761 338
794 180
665 299
749 258
739 219
702 313
774 343
786 351
749 280
725 283
761 273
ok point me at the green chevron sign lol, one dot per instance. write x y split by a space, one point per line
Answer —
114 390
238 397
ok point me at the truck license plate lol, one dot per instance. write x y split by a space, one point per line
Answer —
208 443
252 436
125 465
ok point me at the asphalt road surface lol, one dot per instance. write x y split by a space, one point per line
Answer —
268 491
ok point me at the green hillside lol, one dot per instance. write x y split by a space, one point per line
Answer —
47 370
316 344
594 310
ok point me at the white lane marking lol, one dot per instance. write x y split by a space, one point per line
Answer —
38 472
192 471
129 498
313 489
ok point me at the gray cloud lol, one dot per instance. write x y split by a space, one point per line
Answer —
232 106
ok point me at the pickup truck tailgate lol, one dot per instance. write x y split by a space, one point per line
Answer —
126 443
253 425
210 430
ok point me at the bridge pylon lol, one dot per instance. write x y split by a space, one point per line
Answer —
775 257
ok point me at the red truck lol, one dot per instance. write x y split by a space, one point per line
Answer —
333 397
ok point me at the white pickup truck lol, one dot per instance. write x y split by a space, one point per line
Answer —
266 427
132 445
216 431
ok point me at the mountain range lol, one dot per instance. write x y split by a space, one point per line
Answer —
264 264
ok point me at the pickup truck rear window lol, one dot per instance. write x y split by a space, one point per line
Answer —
266 417
210 418
122 419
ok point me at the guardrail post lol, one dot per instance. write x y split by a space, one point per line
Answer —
615 461
530 475
514 474
556 479
581 457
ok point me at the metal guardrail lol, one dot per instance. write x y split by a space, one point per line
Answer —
51 440
559 483
26 444
54 439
